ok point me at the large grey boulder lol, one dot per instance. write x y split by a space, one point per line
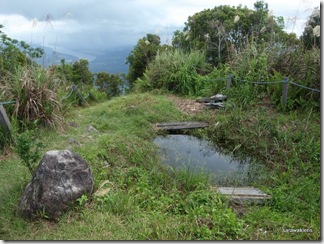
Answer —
60 179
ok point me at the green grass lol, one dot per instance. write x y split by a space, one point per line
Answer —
287 147
146 201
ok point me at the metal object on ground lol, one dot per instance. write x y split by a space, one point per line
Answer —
215 105
219 97
215 98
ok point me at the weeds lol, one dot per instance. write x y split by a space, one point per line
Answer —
287 146
82 200
6 139
146 201
175 71
28 150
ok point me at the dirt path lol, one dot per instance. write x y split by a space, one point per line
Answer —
189 106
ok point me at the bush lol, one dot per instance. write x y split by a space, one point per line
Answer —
28 150
271 63
34 90
175 71
215 82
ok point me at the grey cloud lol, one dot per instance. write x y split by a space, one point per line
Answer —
99 23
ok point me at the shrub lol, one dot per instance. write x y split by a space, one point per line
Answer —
28 150
271 63
175 71
215 82
34 90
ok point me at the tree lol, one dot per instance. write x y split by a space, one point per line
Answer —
142 54
81 72
14 53
109 83
311 36
223 31
180 40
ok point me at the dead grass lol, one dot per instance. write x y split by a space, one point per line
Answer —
186 105
6 153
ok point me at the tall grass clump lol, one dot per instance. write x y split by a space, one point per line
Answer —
303 67
272 63
252 64
35 91
176 71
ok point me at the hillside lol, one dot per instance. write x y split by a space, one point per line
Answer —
145 201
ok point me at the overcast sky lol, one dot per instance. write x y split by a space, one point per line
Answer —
104 24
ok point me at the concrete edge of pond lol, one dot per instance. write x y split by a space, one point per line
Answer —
243 195
180 125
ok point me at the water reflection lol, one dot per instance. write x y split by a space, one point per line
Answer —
197 154
77 54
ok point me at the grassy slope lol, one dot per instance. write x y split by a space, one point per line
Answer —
288 145
145 202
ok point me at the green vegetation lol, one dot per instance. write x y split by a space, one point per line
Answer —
15 53
110 84
311 34
81 73
248 44
142 54
288 144
141 199
224 30
35 91
175 71
146 201
28 150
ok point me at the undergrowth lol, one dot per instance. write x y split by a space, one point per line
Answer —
144 200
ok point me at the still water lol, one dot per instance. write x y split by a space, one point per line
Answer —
197 154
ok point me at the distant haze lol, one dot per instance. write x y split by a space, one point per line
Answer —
112 61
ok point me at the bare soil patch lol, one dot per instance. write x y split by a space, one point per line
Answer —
186 105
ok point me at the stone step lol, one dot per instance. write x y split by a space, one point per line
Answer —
244 194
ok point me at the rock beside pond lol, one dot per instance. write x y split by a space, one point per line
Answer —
60 179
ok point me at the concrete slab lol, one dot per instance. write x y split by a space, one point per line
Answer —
244 194
180 125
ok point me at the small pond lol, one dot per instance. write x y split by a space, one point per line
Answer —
199 155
